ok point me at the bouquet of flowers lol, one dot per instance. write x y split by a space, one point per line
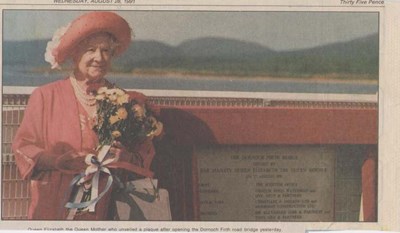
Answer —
122 118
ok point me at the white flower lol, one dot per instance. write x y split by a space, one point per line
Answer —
100 97
123 99
51 45
102 90
117 96
119 92
112 94
158 128
101 93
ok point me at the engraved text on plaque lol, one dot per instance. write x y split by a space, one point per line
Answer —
266 183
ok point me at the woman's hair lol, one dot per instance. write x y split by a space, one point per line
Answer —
114 41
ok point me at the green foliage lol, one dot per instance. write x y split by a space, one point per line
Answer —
219 56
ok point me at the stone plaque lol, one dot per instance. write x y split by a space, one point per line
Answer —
266 183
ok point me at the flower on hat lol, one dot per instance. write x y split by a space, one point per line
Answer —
67 38
51 45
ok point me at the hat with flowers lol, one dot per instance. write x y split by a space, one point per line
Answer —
66 38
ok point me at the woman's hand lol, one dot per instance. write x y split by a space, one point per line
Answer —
72 161
120 151
46 162
61 157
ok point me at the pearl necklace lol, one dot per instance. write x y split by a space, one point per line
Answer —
81 94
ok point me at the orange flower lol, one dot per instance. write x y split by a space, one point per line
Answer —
157 125
159 128
114 119
122 113
139 111
116 134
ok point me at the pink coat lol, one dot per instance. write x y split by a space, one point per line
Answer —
51 125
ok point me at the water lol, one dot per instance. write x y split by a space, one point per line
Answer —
127 81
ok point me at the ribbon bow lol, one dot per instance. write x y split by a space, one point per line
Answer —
96 165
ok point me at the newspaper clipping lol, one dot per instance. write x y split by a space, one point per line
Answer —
200 116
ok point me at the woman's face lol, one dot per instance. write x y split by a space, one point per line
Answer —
92 58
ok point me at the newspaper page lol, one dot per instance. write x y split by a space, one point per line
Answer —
273 116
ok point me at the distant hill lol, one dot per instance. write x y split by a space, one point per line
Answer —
224 56
359 56
221 47
24 53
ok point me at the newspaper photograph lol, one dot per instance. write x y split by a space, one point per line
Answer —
189 116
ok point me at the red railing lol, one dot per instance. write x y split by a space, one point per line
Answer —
314 116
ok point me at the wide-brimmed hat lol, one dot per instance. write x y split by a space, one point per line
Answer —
67 38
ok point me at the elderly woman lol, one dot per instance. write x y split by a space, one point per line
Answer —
59 117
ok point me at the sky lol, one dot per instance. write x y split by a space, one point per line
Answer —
281 31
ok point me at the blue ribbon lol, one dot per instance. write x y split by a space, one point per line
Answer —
75 180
